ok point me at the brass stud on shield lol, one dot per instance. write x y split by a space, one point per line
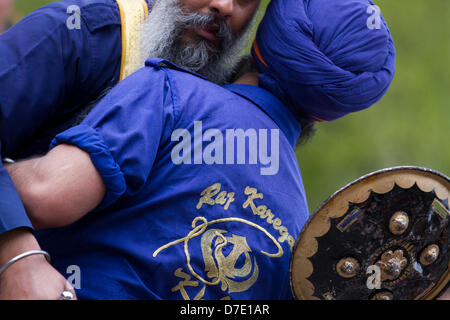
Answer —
429 255
384 295
399 223
347 267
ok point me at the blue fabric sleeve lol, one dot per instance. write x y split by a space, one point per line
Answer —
122 133
89 140
46 72
12 212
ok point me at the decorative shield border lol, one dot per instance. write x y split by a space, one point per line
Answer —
337 205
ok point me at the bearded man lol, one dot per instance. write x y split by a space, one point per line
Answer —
50 71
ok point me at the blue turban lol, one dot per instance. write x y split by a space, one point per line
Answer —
324 58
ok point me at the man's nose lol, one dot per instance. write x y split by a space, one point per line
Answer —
222 8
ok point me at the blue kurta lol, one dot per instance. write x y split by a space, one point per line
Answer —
185 215
48 72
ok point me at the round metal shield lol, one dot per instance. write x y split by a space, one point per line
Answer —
383 236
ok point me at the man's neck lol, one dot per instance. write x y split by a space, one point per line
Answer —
250 78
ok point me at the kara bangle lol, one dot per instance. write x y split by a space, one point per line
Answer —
8 160
23 255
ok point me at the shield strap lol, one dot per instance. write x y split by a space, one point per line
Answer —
132 14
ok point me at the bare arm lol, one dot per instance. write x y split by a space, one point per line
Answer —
31 277
58 188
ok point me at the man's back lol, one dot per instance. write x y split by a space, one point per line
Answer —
213 198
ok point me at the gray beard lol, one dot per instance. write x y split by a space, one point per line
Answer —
162 30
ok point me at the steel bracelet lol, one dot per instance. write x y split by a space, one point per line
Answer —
23 255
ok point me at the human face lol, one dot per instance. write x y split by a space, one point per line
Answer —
197 41
235 13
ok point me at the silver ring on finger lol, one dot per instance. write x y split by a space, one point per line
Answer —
66 295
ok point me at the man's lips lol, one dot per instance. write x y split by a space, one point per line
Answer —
209 33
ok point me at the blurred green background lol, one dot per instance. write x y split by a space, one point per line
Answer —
409 126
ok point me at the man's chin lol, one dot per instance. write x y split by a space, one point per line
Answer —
197 42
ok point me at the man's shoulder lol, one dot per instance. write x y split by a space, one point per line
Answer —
82 4
147 76
145 83
189 85
94 13
185 84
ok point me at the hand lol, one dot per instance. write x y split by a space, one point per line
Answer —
31 278
445 295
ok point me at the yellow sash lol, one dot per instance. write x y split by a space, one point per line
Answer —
132 14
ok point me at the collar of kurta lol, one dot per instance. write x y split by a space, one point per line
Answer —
266 101
159 62
272 106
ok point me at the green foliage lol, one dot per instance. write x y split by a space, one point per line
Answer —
26 6
409 126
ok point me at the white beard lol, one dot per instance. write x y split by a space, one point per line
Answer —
160 38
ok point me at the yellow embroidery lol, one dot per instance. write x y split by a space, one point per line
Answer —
225 268
264 213
187 283
220 267
223 198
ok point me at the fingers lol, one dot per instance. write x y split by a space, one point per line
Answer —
445 295
68 293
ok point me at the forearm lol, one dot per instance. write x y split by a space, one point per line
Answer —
14 243
58 188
